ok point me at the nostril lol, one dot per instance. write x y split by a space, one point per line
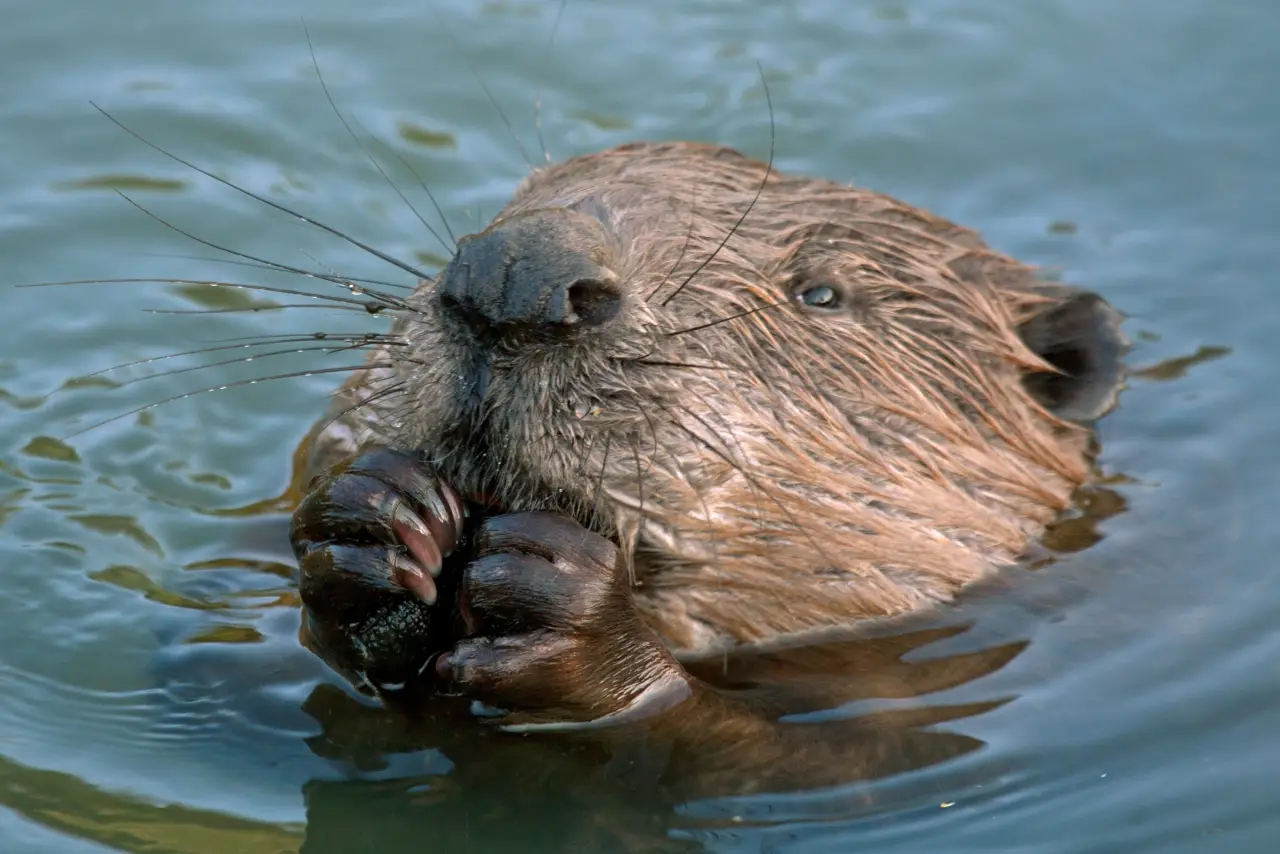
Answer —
449 303
464 314
593 302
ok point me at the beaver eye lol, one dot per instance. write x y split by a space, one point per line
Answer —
823 297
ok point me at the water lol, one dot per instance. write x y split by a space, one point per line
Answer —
152 694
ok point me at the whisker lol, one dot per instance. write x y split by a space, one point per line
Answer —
230 385
256 266
740 314
604 464
768 171
259 198
421 183
635 452
387 298
252 358
373 397
332 274
750 479
727 431
267 340
315 63
212 283
691 365
262 341
584 457
537 86
679 466
370 308
688 238
484 86
242 359
372 337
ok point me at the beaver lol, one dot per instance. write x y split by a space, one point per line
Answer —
672 406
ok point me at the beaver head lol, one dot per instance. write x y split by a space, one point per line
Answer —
791 402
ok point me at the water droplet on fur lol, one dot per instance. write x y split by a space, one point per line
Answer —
582 409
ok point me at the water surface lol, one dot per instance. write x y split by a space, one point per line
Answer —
152 694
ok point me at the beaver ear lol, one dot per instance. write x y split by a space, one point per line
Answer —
1080 335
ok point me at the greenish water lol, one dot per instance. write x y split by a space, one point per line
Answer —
152 693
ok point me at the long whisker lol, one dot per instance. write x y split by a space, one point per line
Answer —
728 459
268 340
537 86
259 198
332 275
679 466
263 341
373 397
584 458
212 283
273 267
315 63
740 314
604 464
728 431
484 86
421 183
688 238
251 309
759 190
691 365
635 452
225 386
243 359
379 295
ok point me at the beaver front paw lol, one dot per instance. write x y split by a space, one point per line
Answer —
552 635
371 540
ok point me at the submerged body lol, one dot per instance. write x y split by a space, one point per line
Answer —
764 404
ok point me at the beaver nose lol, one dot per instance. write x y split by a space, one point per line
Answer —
541 270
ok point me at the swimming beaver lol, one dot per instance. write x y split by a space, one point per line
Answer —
669 404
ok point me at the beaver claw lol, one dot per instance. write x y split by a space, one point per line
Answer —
371 540
539 622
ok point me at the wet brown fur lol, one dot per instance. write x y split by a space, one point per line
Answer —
777 471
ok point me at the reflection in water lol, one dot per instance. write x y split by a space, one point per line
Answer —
129 183
615 794
1176 368
64 803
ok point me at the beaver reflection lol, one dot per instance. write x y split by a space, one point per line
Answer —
617 792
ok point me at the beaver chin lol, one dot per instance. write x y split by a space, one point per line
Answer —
530 443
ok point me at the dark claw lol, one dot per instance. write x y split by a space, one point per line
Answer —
413 577
371 540
436 503
364 502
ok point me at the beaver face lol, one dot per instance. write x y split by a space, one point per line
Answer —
829 401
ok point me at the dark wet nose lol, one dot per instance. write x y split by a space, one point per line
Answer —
539 271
